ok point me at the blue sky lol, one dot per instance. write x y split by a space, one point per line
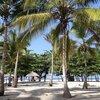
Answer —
39 45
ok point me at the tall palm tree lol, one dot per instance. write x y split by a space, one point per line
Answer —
9 60
12 41
4 13
85 48
51 38
64 11
6 10
70 50
20 42
82 32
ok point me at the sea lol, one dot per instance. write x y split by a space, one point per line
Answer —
94 78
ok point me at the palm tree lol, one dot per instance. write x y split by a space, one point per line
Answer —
51 38
12 38
70 50
85 48
6 10
82 32
20 43
4 13
10 60
64 11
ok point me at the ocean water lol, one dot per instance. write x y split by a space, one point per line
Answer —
59 78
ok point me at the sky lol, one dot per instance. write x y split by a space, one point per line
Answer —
39 45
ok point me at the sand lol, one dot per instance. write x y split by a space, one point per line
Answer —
41 91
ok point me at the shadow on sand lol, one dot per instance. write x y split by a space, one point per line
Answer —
47 92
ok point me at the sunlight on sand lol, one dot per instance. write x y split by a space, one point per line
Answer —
41 91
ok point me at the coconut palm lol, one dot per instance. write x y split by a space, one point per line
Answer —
82 32
6 10
85 48
4 13
66 11
9 61
12 53
70 50
51 38
19 43
12 43
63 12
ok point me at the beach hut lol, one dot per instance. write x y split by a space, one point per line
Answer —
34 76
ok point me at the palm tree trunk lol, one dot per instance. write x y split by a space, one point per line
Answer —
3 61
85 85
51 77
15 72
9 83
2 80
66 93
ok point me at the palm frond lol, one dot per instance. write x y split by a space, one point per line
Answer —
87 14
92 51
78 29
30 3
47 37
79 50
94 29
59 47
12 36
82 28
54 33
23 40
93 13
85 2
54 3
29 20
92 39
1 43
70 47
2 29
57 32
30 33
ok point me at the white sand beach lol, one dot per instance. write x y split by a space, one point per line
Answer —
41 91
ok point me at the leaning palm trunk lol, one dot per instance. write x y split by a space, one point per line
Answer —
51 76
15 72
85 85
3 61
66 93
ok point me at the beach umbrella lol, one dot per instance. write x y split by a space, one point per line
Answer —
32 74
